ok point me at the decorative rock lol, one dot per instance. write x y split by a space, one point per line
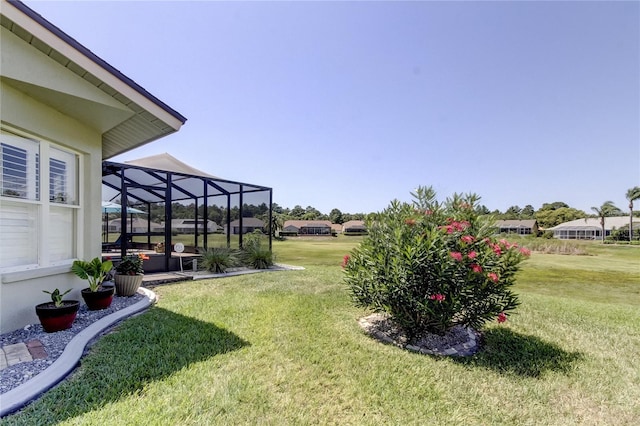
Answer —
460 341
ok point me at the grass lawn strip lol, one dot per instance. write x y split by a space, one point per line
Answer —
286 348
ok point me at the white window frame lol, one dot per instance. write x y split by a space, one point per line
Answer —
44 264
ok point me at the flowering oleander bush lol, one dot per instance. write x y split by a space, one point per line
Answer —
433 265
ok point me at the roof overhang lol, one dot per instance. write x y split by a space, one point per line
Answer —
147 117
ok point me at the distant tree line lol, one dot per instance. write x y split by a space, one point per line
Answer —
549 215
215 213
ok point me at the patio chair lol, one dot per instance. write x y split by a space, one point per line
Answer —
116 245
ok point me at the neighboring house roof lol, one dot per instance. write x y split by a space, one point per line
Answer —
336 227
354 224
191 223
168 163
594 222
127 115
308 223
248 222
136 223
516 223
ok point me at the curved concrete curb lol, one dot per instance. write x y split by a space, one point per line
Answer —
20 396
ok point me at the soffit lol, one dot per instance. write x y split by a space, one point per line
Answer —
95 114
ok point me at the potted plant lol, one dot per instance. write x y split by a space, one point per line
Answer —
129 273
58 314
96 296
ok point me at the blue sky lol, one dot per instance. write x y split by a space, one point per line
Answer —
351 104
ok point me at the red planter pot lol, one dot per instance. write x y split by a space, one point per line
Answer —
59 318
100 299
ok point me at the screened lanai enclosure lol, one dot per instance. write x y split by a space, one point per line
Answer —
180 211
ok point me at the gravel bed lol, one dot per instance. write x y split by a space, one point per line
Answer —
459 341
53 343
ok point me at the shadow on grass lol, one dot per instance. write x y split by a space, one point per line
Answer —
144 349
529 356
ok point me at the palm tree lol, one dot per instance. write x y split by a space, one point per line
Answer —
276 224
605 210
632 195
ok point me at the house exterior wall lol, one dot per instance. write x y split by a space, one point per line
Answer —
315 230
62 110
24 115
19 289
354 227
579 234
246 229
589 228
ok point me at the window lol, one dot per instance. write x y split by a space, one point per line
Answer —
62 176
37 230
19 174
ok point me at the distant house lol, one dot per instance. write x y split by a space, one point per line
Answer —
135 226
354 227
249 224
520 227
590 228
188 226
306 227
336 228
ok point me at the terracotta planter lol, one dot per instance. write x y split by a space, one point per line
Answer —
59 318
100 299
127 285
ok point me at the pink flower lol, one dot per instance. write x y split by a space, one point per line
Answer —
468 239
447 228
410 222
345 260
493 276
463 225
455 225
428 212
502 317
476 268
456 255
438 297
472 255
496 249
525 251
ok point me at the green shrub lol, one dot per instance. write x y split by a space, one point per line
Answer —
219 259
434 265
253 254
258 258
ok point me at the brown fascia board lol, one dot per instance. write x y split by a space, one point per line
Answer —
95 58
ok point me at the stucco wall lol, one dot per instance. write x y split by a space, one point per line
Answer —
21 291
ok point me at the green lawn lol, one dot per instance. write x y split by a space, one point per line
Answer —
285 348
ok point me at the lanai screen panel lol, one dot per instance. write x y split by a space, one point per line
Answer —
226 199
